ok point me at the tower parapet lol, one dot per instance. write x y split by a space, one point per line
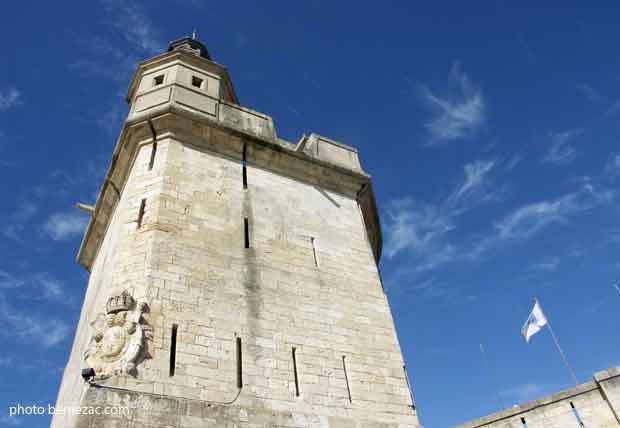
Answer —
186 94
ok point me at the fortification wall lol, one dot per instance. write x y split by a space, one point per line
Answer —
594 404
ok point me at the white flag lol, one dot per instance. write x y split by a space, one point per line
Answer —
534 322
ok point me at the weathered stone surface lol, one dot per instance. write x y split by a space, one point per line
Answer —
169 228
595 404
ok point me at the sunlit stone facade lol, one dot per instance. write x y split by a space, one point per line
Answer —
233 275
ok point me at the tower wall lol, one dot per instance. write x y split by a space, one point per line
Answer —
285 267
121 261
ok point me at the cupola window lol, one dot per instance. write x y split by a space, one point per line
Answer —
197 82
158 80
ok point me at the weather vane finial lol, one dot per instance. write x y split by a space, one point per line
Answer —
194 35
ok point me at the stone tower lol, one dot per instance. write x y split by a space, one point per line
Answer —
233 275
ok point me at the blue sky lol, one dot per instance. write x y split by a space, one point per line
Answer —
491 132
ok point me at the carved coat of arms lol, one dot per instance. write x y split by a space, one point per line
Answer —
118 337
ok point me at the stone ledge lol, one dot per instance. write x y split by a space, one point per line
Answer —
607 374
544 401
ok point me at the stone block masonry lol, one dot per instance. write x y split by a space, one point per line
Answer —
593 404
239 257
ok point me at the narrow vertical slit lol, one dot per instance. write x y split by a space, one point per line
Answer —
244 164
295 372
239 365
576 413
153 152
141 213
246 229
173 349
346 377
314 252
409 387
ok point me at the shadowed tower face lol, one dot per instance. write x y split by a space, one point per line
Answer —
233 275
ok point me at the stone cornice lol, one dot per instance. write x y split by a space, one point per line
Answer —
264 150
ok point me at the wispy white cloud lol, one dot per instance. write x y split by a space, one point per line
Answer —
65 225
406 277
132 21
52 288
548 265
113 58
590 93
9 99
608 106
414 225
7 280
459 114
444 253
425 233
613 109
612 168
613 236
422 229
85 185
561 151
4 163
27 328
28 221
37 286
112 119
55 333
526 392
527 220
17 221
5 360
513 161
525 47
11 420
474 185
121 61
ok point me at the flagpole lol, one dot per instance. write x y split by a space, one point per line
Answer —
493 378
557 344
